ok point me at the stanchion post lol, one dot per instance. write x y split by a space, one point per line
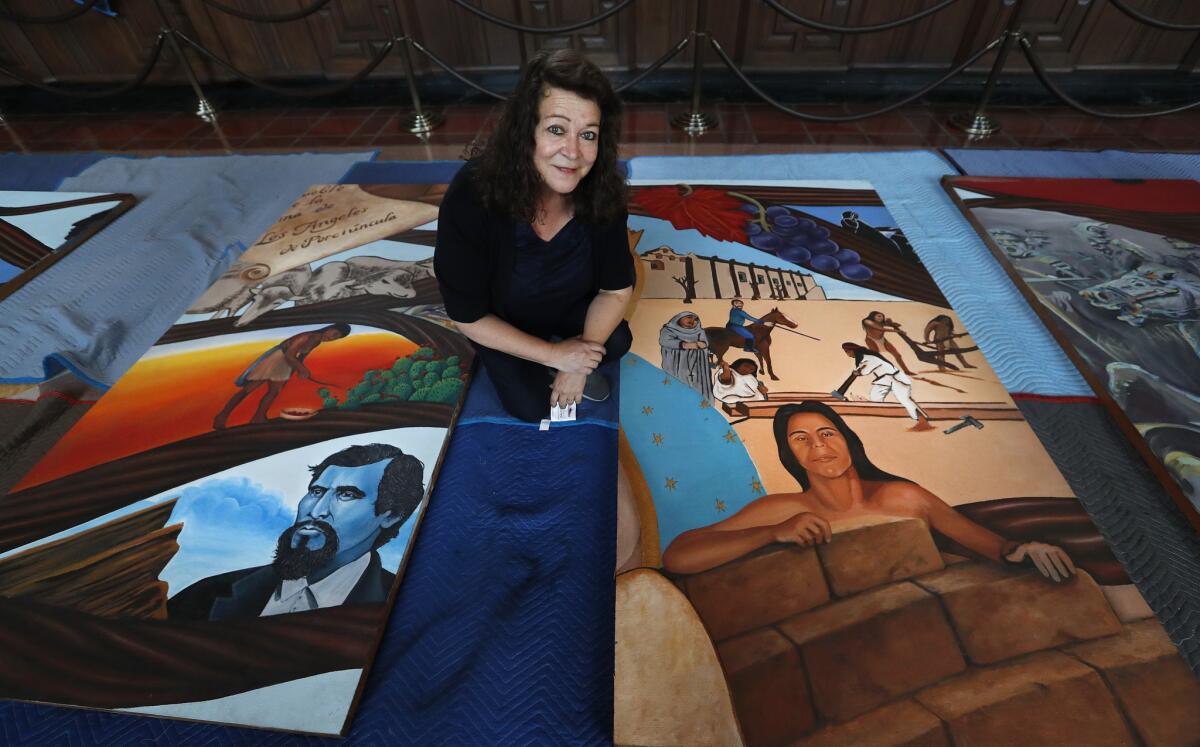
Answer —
204 108
976 122
420 122
696 122
12 132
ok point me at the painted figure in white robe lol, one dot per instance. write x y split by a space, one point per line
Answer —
738 382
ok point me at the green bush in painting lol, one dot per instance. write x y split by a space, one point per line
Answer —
420 377
446 391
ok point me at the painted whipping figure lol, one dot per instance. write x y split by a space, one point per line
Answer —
886 379
876 325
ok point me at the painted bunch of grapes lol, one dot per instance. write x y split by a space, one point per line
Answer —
800 240
726 215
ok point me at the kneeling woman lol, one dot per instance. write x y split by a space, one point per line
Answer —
532 251
827 458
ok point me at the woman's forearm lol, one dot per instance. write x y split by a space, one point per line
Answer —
493 332
604 314
967 533
693 553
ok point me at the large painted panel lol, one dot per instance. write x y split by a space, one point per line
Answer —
854 533
221 536
1113 269
39 228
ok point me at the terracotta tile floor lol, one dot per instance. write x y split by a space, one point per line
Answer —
742 128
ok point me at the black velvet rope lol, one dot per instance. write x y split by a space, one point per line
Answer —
450 69
546 29
1040 71
308 92
1141 17
259 18
851 117
140 78
7 15
667 57
836 29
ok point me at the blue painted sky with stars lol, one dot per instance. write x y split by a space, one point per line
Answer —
695 464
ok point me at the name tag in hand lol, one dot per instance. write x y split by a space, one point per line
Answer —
560 414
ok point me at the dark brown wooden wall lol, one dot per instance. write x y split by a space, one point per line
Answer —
336 41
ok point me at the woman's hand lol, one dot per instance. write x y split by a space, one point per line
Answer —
577 356
567 388
803 529
697 345
1050 560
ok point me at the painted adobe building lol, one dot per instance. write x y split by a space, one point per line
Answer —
687 276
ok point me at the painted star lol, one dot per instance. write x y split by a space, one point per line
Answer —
631 361
667 381
730 436
658 439
647 410
756 486
671 483
721 506
705 403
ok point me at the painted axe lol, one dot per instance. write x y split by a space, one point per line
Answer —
840 392
966 420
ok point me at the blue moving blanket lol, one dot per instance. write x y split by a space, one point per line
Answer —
98 310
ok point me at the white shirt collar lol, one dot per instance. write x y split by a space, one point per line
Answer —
330 591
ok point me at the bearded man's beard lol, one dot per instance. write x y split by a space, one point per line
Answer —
299 561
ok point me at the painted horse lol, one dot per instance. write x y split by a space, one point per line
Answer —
720 339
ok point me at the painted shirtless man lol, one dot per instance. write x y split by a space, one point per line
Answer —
876 325
275 368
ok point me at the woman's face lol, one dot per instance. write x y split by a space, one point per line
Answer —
818 445
689 321
566 140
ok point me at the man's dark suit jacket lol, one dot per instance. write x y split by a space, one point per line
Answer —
244 593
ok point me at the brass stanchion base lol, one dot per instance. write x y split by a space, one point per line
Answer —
694 123
421 124
975 125
206 112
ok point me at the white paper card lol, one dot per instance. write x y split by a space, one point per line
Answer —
559 414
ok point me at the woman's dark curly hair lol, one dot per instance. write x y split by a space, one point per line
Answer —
505 176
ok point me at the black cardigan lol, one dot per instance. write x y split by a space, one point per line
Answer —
476 251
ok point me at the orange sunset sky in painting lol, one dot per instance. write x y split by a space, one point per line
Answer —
171 397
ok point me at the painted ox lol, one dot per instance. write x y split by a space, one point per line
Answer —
356 276
230 294
1148 292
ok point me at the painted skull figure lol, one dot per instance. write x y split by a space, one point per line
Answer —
1149 292
1019 245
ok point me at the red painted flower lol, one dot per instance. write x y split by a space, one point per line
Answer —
712 212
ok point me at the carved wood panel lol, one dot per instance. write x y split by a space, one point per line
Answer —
338 40
92 48
928 43
771 41
1114 40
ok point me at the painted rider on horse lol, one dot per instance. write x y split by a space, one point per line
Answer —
737 324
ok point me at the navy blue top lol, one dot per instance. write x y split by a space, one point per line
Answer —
548 277
476 252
